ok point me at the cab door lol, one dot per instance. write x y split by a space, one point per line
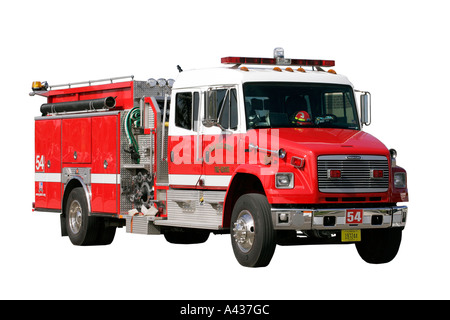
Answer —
220 136
185 165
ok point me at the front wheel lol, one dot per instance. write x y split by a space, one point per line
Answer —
252 235
379 245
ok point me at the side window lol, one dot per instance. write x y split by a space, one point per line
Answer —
186 110
183 110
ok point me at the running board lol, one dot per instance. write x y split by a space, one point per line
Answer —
142 225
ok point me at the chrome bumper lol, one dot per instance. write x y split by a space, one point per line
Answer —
335 219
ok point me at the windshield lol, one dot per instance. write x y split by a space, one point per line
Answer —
294 105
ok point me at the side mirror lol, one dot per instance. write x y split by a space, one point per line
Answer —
210 109
213 111
366 118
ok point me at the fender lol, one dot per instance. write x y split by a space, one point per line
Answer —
245 179
70 184
264 173
303 191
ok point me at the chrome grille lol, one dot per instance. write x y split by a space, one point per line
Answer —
356 172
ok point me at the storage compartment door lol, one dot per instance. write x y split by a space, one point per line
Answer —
76 140
47 164
105 168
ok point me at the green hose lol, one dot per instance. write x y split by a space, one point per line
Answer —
132 119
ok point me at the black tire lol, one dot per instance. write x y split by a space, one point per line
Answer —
252 235
105 235
379 245
186 236
83 229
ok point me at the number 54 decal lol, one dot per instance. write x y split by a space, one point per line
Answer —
354 216
39 162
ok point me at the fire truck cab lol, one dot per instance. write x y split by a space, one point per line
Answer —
269 150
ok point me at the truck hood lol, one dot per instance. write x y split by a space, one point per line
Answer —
328 141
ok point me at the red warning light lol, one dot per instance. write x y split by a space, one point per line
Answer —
275 61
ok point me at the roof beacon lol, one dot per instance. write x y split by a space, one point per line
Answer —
278 54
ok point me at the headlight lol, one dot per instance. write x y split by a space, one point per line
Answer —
284 180
399 180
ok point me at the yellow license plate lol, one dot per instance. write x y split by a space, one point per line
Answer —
350 235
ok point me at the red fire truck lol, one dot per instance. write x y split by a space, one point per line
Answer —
269 150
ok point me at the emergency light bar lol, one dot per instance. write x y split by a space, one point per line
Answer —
278 61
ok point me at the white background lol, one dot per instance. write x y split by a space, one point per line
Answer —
397 50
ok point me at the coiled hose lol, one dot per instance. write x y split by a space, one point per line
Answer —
133 118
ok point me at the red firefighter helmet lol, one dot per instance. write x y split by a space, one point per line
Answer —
301 118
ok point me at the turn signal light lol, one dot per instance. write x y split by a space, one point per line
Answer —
298 162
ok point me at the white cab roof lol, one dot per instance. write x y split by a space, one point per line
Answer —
232 76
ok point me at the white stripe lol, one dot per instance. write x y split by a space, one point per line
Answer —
47 177
184 179
192 180
95 177
105 178
217 181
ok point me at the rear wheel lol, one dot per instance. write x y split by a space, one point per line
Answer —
379 245
252 234
83 229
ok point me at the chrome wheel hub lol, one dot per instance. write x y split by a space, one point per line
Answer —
244 231
75 216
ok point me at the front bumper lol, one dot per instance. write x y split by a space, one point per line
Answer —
335 219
